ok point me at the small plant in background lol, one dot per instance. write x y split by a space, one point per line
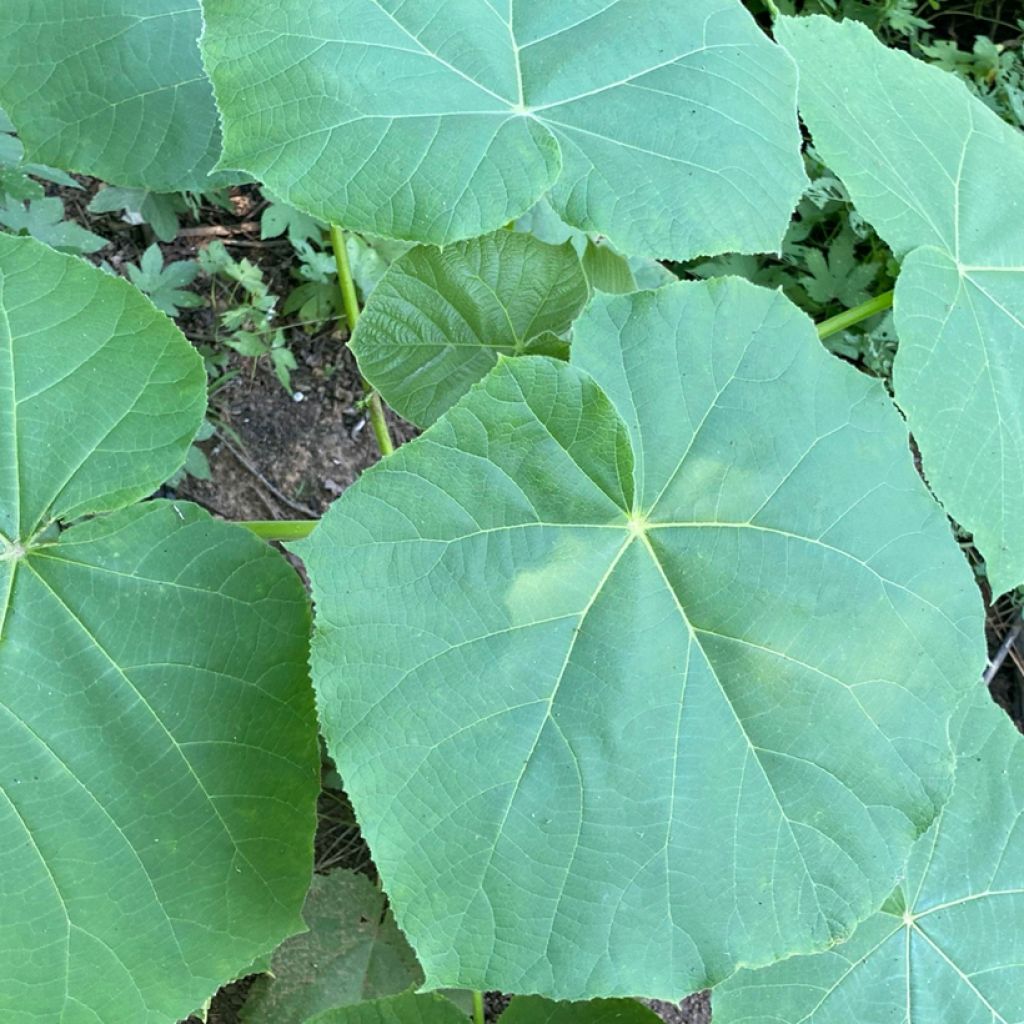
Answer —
162 211
45 220
167 285
247 310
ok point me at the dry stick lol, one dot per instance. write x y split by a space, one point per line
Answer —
275 491
350 301
1004 649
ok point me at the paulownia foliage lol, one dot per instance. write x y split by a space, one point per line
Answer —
440 318
639 668
159 768
352 952
670 128
948 945
937 172
112 88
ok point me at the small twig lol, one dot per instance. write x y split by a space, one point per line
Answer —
1004 649
275 491
219 230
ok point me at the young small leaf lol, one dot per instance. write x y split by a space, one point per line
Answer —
672 131
935 171
352 952
680 629
949 944
441 318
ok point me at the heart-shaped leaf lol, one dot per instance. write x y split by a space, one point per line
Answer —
159 768
948 946
441 318
670 129
937 173
640 668
114 89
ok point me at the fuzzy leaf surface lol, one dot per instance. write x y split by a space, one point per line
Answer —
671 131
639 668
440 318
159 775
936 172
111 88
949 945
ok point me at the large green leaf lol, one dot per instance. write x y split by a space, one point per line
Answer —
159 773
937 172
352 952
669 129
639 668
111 88
949 945
441 318
534 1010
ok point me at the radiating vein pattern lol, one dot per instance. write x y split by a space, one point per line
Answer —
159 767
442 121
934 170
948 945
113 88
661 638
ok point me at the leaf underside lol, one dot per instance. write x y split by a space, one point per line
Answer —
159 775
671 131
936 172
639 668
949 946
115 89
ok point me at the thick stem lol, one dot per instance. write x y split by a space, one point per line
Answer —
350 303
866 310
478 1008
281 529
